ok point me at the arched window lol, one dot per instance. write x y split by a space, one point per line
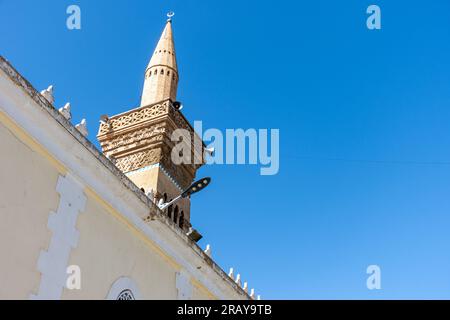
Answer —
126 295
149 73
156 72
175 214
168 73
162 71
169 211
181 222
124 289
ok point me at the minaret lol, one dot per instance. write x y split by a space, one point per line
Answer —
139 141
161 75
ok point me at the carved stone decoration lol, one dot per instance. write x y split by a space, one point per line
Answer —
134 117
142 114
138 160
144 136
141 138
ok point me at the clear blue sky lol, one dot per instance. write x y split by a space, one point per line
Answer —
364 119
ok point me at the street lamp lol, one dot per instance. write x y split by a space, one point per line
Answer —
193 188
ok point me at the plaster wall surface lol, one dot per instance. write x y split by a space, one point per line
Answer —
63 203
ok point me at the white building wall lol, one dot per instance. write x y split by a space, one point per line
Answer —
71 206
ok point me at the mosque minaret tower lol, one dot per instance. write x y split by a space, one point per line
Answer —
139 140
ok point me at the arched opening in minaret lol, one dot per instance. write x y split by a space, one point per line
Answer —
175 215
181 222
169 211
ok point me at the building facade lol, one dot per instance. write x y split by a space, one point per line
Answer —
68 209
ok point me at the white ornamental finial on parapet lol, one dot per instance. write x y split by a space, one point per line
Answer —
252 294
245 287
65 111
231 273
170 14
238 280
48 94
82 127
208 250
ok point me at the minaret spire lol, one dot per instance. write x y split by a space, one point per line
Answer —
161 75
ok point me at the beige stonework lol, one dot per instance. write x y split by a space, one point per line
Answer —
140 140
161 75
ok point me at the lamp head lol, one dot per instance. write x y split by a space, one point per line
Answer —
196 187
